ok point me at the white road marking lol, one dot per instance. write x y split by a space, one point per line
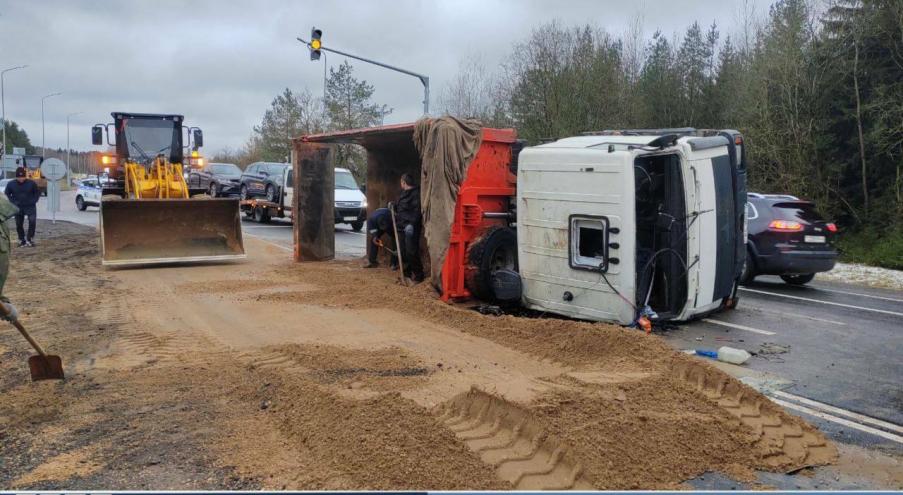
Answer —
883 298
842 412
883 311
798 315
738 327
840 421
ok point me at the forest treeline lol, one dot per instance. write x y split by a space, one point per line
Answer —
817 91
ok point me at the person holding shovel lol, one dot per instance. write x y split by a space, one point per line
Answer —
379 224
408 218
7 211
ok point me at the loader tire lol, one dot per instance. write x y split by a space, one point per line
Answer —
495 250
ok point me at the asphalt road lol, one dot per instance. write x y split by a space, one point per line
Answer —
836 344
830 352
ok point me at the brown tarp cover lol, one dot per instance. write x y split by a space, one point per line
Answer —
447 146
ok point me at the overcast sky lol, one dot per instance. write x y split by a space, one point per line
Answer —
220 63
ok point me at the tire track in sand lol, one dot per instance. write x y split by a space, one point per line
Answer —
506 437
788 443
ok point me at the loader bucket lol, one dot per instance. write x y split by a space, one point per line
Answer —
154 231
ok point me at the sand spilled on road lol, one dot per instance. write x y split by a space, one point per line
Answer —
273 375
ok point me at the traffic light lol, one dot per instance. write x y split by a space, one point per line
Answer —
315 43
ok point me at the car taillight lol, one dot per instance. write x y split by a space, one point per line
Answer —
831 227
785 226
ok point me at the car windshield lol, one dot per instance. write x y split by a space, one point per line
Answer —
146 138
225 169
344 180
803 211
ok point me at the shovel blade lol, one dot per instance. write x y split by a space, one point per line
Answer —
46 368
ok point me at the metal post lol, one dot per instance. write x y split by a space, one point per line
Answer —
68 167
324 82
3 100
43 143
425 80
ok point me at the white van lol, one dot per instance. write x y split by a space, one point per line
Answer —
350 202
632 223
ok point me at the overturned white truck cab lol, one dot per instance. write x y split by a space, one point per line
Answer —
623 224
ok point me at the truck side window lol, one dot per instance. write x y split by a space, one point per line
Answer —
588 243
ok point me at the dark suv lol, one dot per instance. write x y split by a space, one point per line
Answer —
263 179
787 237
219 179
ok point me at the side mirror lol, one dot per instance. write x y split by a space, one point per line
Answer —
198 137
97 135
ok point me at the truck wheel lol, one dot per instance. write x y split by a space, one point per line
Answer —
495 250
357 226
261 215
271 194
800 279
80 203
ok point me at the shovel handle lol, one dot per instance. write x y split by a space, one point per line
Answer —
398 247
24 333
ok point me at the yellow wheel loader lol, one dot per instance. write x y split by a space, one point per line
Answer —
148 214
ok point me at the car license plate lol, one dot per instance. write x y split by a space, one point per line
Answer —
815 239
351 219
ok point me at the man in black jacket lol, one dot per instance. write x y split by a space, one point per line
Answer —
24 193
408 219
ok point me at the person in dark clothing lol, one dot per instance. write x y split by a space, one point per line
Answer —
379 224
24 193
408 219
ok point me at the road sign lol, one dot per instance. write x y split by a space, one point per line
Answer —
53 169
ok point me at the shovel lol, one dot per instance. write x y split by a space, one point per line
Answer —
43 366
404 280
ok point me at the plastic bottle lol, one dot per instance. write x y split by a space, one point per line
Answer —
732 355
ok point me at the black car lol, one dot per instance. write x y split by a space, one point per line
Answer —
787 237
263 179
219 179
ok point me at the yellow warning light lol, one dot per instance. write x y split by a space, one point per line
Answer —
194 154
315 44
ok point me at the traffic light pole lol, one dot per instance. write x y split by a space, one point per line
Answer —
423 79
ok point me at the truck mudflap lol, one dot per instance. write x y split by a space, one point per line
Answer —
156 231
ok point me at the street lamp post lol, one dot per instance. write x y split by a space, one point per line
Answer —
68 148
43 143
3 100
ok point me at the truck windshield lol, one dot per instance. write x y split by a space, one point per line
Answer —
146 138
344 180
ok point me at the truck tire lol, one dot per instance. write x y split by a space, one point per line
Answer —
357 226
261 215
495 250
